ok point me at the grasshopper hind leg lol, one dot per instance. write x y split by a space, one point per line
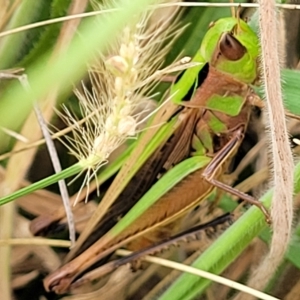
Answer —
213 168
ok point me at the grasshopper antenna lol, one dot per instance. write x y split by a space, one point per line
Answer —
236 13
232 8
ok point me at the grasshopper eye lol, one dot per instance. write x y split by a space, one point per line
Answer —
231 48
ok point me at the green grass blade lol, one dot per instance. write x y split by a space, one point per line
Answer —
49 35
116 165
162 135
290 88
291 92
75 169
224 250
169 180
14 47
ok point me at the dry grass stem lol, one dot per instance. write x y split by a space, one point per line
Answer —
7 9
67 32
184 268
282 204
38 142
164 5
16 169
35 242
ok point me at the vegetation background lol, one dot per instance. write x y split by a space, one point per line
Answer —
56 58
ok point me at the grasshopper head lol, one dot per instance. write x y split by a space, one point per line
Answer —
232 47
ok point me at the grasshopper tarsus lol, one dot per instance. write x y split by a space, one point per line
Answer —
242 196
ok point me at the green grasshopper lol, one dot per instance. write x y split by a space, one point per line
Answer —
211 125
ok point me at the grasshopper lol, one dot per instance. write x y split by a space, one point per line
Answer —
211 125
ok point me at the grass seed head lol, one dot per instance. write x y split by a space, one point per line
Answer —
119 80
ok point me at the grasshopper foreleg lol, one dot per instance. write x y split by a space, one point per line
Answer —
255 100
209 173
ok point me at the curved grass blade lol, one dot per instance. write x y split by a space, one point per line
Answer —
230 244
175 175
13 47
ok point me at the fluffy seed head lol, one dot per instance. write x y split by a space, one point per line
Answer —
124 75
